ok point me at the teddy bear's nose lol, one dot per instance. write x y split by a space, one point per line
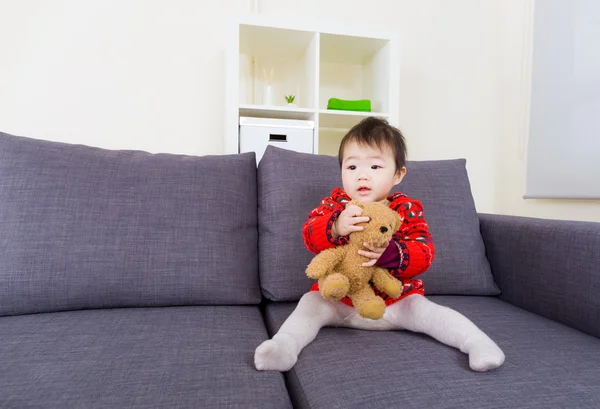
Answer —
383 229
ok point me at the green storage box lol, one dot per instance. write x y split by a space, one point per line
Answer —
362 105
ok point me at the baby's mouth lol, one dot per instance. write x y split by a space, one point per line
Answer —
363 189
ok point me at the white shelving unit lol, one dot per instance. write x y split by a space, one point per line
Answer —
314 62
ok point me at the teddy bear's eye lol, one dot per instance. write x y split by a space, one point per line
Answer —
383 229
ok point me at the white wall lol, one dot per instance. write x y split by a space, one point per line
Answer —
149 74
512 115
142 74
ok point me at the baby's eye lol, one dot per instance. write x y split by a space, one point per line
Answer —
352 167
375 167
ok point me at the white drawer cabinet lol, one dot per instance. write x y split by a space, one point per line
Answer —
257 133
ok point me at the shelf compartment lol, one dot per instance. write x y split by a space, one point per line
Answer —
340 120
333 125
286 58
354 68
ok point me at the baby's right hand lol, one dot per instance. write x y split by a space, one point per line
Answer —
346 221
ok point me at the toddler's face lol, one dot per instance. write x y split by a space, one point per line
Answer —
368 173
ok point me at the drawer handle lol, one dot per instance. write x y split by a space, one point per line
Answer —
277 137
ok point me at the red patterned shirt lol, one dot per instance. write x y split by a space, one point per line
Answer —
412 241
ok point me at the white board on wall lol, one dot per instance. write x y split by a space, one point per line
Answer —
563 159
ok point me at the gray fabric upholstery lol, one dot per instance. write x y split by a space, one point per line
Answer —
284 200
549 267
180 357
85 227
286 197
548 365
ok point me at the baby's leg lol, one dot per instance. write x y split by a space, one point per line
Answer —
311 314
416 313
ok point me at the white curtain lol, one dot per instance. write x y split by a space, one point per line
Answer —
564 143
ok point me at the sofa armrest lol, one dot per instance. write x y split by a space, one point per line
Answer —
548 267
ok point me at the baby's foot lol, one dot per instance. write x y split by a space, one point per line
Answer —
485 355
277 354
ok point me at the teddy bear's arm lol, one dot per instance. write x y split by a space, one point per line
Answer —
325 262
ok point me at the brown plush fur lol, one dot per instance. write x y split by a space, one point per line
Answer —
340 271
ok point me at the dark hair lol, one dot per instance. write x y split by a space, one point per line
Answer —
376 132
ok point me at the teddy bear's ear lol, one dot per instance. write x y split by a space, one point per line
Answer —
356 203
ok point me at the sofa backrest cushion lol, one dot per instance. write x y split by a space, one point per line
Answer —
84 227
291 184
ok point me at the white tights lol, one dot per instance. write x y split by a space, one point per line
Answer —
415 313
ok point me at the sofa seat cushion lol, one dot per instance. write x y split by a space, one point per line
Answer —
179 357
548 365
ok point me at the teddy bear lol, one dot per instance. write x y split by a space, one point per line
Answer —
340 271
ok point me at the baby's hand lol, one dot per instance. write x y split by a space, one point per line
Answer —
373 254
346 221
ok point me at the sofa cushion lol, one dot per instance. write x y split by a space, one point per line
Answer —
180 357
291 184
548 365
84 227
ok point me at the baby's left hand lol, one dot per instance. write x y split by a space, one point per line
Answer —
373 254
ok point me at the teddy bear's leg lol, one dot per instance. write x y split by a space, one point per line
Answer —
334 286
387 283
416 313
311 314
367 304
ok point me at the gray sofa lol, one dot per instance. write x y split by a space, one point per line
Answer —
132 280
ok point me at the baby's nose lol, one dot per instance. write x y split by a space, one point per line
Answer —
383 229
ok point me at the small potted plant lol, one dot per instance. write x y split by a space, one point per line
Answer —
290 100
